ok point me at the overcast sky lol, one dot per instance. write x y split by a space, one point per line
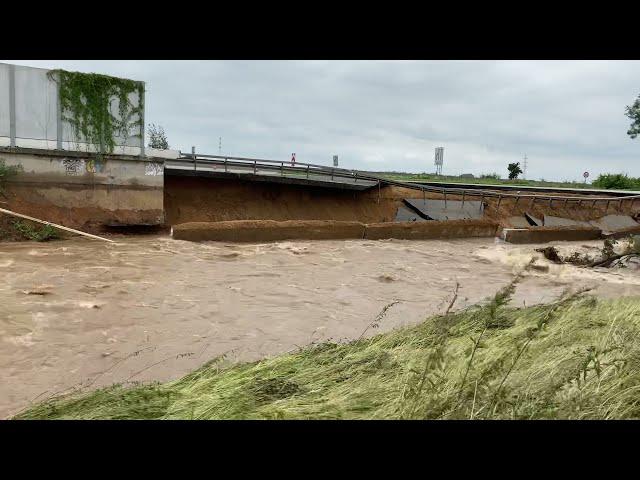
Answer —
566 116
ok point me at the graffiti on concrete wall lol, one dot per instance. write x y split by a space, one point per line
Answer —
73 166
153 168
95 166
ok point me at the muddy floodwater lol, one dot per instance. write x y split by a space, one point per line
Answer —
82 313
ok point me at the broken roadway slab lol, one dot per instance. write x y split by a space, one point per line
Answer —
533 221
551 221
446 210
518 222
406 215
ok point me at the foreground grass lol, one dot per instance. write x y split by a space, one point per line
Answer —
577 358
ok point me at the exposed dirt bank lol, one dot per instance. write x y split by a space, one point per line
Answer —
189 199
80 207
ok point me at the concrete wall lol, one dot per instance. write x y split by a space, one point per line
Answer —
78 190
30 98
550 234
271 230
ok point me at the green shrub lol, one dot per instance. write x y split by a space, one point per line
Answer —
46 233
616 181
6 171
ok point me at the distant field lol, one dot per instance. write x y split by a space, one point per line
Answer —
482 181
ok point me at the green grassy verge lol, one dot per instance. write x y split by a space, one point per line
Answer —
425 177
577 358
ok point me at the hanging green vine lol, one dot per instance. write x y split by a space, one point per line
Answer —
86 100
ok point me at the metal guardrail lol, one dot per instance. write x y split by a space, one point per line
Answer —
305 169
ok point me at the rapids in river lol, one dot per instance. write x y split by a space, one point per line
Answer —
79 313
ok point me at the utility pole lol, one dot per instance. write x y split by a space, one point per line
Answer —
524 167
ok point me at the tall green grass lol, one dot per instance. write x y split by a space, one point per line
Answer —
578 358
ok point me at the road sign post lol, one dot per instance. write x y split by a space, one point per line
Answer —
585 175
439 160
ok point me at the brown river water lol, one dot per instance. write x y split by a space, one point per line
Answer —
80 313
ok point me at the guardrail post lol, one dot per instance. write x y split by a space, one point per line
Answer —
332 174
255 166
225 165
463 192
550 200
195 161
620 205
307 172
533 200
481 201
499 201
282 169
444 192
378 191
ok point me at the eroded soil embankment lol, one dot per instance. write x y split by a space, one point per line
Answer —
189 199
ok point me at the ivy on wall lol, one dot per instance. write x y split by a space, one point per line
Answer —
86 100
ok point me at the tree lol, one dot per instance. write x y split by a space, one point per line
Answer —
157 137
514 170
633 112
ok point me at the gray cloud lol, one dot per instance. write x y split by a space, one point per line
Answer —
567 116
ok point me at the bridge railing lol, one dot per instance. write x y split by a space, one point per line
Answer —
255 165
307 169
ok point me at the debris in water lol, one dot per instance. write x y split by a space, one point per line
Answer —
386 278
539 268
40 290
550 253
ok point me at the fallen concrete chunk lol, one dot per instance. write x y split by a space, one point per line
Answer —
549 234
449 210
614 223
625 232
267 230
431 230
